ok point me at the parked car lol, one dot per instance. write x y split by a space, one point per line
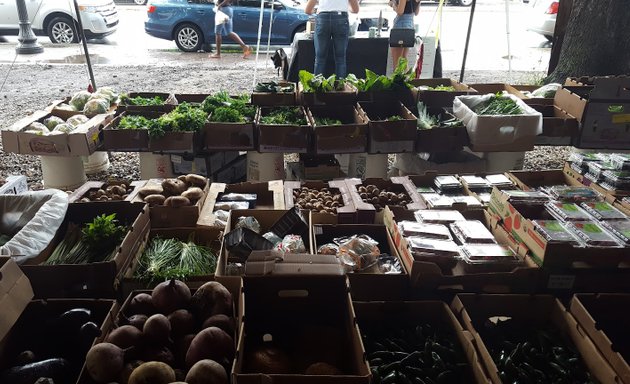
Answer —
544 19
463 3
57 19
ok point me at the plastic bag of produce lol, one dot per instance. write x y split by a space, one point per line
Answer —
31 220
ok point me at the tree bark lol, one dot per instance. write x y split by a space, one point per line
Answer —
596 42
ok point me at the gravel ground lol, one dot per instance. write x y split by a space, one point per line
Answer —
32 87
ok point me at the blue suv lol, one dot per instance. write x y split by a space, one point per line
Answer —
191 22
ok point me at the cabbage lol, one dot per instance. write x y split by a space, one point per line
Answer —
95 106
79 99
63 128
52 121
65 107
37 128
77 120
107 93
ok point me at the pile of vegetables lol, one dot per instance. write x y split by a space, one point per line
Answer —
400 79
274 87
172 258
531 355
54 349
428 121
139 100
226 109
284 115
318 83
91 104
96 241
320 121
115 190
181 192
184 118
499 105
420 354
169 335
55 125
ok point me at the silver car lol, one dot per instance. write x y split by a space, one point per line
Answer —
544 18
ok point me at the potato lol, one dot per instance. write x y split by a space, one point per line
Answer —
177 201
151 190
182 178
173 187
196 180
193 193
118 190
154 199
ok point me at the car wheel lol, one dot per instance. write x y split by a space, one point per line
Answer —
300 29
62 30
140 2
549 37
465 3
188 38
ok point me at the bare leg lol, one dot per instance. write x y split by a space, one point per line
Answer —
397 53
217 55
246 49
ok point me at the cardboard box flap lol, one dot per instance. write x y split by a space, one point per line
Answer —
611 88
262 263
15 294
570 102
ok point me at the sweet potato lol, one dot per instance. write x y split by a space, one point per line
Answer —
176 201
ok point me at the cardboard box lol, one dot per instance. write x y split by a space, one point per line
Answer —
548 254
367 212
494 88
378 314
404 95
169 102
369 284
348 96
191 98
541 311
270 196
346 214
220 136
532 180
445 163
285 138
496 133
348 137
65 114
611 195
289 308
278 264
36 331
386 136
447 139
314 170
559 128
15 294
276 98
233 172
202 165
436 98
209 237
92 186
98 279
428 181
82 141
529 100
174 217
600 317
429 277
14 185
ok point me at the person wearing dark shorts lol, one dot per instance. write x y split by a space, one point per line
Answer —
332 28
226 29
405 11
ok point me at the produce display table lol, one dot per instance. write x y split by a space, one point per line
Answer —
363 53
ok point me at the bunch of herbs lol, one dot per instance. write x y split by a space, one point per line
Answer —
499 105
139 100
318 83
284 115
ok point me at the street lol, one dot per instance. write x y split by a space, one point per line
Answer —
488 49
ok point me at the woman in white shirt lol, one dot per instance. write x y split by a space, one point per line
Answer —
332 27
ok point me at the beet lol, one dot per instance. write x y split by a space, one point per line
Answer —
182 322
211 343
181 348
212 298
157 329
207 372
104 362
142 304
222 321
152 372
161 354
170 296
137 321
125 336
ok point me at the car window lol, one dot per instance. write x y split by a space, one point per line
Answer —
249 3
201 1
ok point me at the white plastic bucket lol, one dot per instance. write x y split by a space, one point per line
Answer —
364 166
265 166
154 166
95 163
65 173
504 161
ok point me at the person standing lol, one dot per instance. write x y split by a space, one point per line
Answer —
332 28
225 29
405 11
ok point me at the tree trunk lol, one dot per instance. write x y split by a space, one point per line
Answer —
597 40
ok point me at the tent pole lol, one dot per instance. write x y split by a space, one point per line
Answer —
472 13
260 22
507 28
85 48
269 37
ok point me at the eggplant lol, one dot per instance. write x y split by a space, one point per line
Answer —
74 318
58 370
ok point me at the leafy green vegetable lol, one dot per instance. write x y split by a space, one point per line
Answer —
284 115
223 100
326 121
184 118
400 79
139 100
134 122
227 115
425 120
446 88
499 105
319 83
274 87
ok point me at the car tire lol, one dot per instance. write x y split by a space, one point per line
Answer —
188 38
549 38
62 30
140 2
465 3
300 29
